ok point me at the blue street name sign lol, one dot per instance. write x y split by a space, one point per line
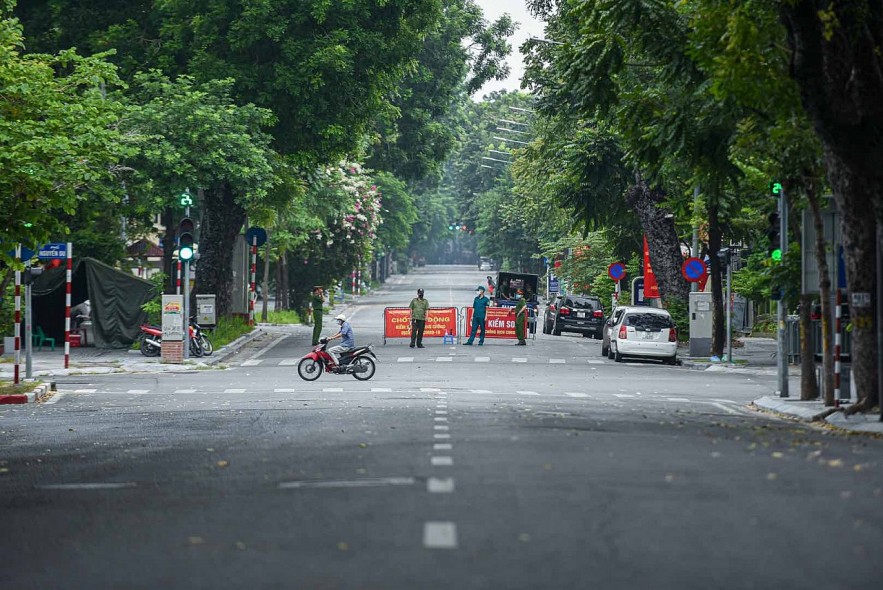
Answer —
52 251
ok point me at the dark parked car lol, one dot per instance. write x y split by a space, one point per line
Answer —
575 313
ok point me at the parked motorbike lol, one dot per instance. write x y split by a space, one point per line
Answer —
151 340
358 362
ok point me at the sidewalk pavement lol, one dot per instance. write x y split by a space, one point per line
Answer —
755 356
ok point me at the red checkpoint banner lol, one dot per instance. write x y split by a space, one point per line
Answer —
499 322
439 322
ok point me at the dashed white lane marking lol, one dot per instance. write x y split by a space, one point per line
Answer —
725 408
481 391
234 391
441 436
626 395
284 390
54 399
441 427
441 460
519 360
441 412
444 359
442 446
354 483
677 399
381 390
85 390
288 362
143 391
724 401
406 359
482 359
88 486
575 394
185 391
527 392
440 535
332 389
431 390
557 361
440 419
440 485
252 362
595 362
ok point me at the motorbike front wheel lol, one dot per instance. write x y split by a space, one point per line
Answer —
148 349
207 346
309 369
370 367
195 348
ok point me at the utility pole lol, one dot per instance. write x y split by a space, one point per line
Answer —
781 316
730 305
29 339
695 251
880 317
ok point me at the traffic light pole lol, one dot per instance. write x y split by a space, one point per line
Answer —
730 308
186 309
29 340
781 316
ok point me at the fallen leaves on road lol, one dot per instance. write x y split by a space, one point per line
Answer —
835 463
195 541
223 463
343 546
772 476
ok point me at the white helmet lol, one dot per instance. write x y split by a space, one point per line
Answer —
340 317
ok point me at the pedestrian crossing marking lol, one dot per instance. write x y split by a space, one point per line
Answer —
252 362
482 359
138 391
595 362
444 359
556 361
284 390
381 390
185 391
575 394
406 359
234 391
332 389
519 360
289 362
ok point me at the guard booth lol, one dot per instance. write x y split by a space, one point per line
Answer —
205 310
701 322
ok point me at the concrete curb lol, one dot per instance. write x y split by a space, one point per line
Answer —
232 348
817 412
37 394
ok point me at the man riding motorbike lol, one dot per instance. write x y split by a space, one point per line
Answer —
347 343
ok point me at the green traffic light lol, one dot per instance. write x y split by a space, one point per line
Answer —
185 253
776 255
186 200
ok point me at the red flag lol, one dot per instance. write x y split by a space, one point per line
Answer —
651 289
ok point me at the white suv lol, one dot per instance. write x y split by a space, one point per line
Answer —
644 332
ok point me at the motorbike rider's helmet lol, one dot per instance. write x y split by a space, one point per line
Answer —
340 318
420 292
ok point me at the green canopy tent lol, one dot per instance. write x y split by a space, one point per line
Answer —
115 296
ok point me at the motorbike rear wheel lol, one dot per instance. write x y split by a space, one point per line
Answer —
364 361
148 349
195 348
207 347
309 369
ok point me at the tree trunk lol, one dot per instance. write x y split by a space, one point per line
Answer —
715 239
662 240
168 249
222 220
808 388
837 64
286 288
821 250
265 283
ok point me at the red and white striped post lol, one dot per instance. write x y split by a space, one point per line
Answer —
178 282
67 305
353 277
837 314
17 375
254 267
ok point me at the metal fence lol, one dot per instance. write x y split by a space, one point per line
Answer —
792 337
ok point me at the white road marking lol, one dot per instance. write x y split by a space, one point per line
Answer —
234 391
441 412
440 535
444 359
519 360
441 460
354 483
332 389
185 391
54 399
628 395
482 359
575 394
442 446
677 399
263 350
557 361
138 391
595 362
439 419
252 362
406 359
441 427
284 390
725 401
85 390
725 408
430 390
480 391
381 389
288 362
441 436
527 392
88 486
440 485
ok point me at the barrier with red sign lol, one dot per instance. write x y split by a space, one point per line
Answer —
499 323
440 322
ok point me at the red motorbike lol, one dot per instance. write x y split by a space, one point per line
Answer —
151 341
358 362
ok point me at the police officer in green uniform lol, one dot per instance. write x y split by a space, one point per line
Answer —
318 300
419 309
520 317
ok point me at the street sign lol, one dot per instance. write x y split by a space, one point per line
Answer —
256 232
694 270
638 291
553 285
52 251
26 253
616 271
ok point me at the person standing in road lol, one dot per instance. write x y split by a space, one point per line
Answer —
491 285
479 315
318 300
419 308
520 317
